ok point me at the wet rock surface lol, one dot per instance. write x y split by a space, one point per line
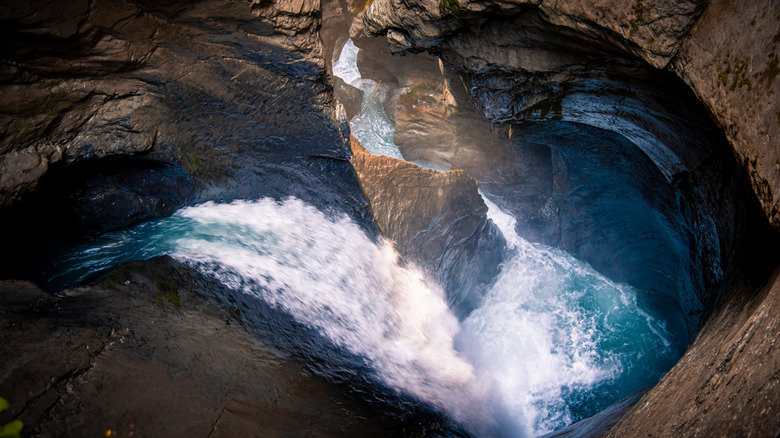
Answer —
437 220
198 85
727 382
150 351
719 49
731 61
584 62
225 99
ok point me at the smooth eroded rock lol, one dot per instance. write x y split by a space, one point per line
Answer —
148 351
437 220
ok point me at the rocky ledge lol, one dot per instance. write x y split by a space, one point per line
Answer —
150 351
436 220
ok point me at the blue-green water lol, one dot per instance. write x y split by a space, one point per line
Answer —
553 341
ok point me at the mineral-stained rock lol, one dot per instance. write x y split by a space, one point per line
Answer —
437 220
149 352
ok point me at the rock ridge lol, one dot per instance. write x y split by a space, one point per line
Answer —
436 220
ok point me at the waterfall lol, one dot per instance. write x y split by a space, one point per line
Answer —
329 276
560 339
552 342
371 126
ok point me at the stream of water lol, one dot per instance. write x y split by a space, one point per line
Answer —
552 342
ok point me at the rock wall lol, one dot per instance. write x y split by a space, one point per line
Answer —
524 60
724 51
730 60
578 131
727 383
116 112
226 90
437 220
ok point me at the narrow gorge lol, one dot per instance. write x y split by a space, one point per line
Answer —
401 218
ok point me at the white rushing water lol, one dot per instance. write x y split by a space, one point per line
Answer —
328 275
551 337
551 342
552 330
559 340
371 126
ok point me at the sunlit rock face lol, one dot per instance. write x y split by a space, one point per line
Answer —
436 219
548 73
115 113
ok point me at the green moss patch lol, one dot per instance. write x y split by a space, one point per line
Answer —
451 8
168 292
733 73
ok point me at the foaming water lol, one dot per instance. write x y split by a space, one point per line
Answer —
345 66
328 275
371 126
561 341
552 342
